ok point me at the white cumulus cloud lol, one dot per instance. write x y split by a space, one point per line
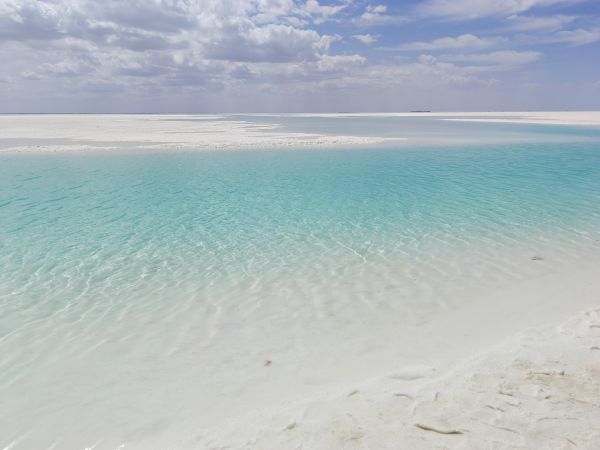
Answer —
493 61
474 9
464 41
365 38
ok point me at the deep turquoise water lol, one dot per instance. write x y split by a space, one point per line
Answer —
116 268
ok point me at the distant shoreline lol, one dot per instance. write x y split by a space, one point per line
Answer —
35 133
97 132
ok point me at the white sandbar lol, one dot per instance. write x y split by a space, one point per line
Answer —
536 388
587 118
158 132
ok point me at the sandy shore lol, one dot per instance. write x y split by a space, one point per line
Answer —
87 132
519 370
587 118
538 390
52 133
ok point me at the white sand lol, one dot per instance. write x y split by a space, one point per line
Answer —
87 132
588 118
510 372
537 390
159 132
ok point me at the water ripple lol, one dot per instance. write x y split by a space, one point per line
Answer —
173 274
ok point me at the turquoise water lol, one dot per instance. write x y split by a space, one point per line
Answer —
137 290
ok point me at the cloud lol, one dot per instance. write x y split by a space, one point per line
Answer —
31 75
377 9
461 10
29 21
270 43
464 41
312 7
236 30
499 60
114 52
141 41
539 23
430 68
426 72
365 38
139 26
376 15
573 37
161 16
294 13
166 45
336 63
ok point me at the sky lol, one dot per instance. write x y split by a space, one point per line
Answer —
154 56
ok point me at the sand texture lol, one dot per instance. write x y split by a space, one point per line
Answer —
539 389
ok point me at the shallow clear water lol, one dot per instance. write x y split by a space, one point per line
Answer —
142 293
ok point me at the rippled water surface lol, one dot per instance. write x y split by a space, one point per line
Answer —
144 293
